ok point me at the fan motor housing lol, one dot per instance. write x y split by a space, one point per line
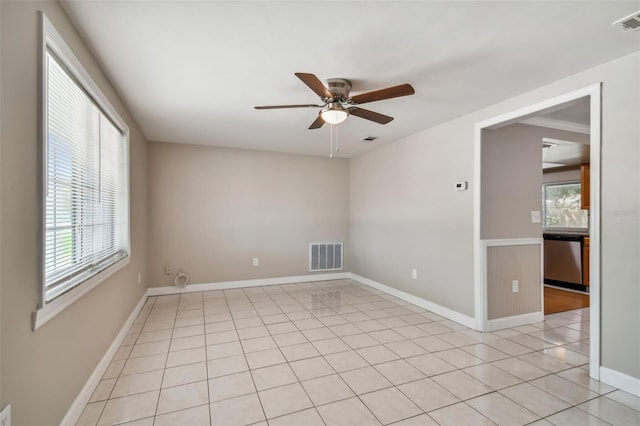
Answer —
339 88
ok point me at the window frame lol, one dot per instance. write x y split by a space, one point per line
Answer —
544 209
50 40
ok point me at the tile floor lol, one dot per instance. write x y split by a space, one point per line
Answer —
341 353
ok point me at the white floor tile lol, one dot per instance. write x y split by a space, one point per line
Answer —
274 376
364 380
187 356
461 385
103 390
430 364
284 400
534 399
137 383
611 411
575 417
298 352
141 365
400 371
390 405
563 389
459 415
326 389
225 366
265 358
309 417
492 376
369 344
348 412
238 411
183 396
195 416
91 414
502 411
184 374
311 368
128 408
428 395
226 387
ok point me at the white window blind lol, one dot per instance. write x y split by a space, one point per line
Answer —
85 206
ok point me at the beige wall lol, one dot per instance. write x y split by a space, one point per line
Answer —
512 178
214 209
561 176
404 212
1 319
511 181
43 371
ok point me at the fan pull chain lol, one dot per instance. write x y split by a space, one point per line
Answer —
331 147
337 149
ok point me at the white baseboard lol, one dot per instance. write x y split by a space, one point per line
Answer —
620 380
514 321
74 412
225 285
418 301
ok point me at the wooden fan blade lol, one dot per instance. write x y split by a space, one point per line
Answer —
319 122
287 106
382 94
370 115
314 84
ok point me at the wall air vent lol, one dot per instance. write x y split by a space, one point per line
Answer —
631 22
325 257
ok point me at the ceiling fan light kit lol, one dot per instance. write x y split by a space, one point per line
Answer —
337 105
334 113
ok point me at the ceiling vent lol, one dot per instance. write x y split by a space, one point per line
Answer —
369 139
631 22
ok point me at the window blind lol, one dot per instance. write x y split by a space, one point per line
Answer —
85 217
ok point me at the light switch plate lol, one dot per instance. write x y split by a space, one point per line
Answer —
535 216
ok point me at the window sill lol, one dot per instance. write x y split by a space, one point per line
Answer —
56 306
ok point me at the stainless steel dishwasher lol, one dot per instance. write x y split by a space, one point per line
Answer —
563 260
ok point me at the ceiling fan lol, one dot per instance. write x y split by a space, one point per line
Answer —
337 105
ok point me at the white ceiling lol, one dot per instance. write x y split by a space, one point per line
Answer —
579 113
191 71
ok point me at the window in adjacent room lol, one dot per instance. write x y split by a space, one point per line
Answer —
561 204
85 208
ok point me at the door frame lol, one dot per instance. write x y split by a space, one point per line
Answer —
480 295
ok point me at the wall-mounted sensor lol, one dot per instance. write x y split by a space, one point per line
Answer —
462 186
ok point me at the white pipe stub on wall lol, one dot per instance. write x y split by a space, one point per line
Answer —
182 279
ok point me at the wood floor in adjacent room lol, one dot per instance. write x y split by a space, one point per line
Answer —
556 300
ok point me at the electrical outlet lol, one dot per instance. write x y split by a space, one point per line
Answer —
514 286
167 270
5 416
255 261
414 274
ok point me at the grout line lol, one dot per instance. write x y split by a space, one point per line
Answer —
167 359
244 354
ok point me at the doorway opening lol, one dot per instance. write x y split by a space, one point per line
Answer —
568 234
